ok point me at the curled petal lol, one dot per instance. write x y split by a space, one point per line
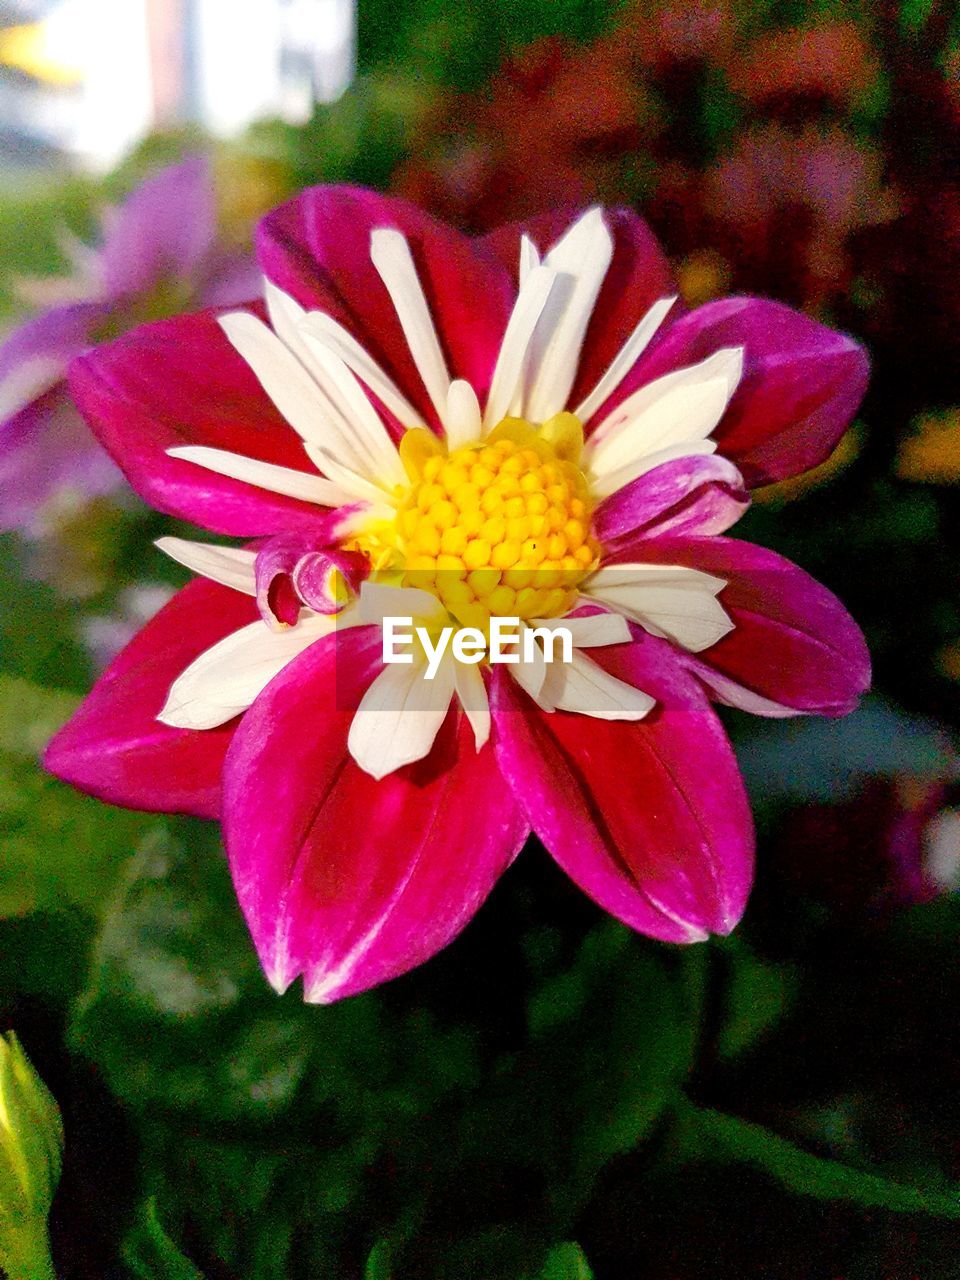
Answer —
292 571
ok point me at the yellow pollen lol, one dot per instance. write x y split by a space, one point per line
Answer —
498 528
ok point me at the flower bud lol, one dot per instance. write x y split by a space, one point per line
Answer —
31 1148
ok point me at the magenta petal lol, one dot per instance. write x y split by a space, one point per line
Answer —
115 748
649 818
317 248
802 382
164 229
794 647
180 382
639 275
703 495
342 879
295 569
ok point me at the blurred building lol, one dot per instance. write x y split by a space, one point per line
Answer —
87 78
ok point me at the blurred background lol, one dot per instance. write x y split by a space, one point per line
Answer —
552 1097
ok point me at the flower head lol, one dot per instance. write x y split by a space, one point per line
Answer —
159 255
529 426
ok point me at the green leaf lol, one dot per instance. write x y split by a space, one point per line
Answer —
757 995
150 1253
711 1135
566 1262
379 1266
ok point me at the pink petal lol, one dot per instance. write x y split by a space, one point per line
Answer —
794 648
638 276
702 495
180 382
802 382
294 570
46 449
56 337
163 230
342 879
317 249
115 748
649 818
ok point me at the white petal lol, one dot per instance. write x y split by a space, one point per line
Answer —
463 415
531 676
625 359
327 330
619 479
583 254
399 717
230 566
369 449
684 405
671 601
529 257
283 378
732 694
508 375
583 687
391 256
379 601
28 380
353 483
472 693
265 475
285 314
591 631
227 678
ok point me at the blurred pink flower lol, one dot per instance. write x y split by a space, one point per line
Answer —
529 425
159 255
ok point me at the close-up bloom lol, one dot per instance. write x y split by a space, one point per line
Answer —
158 254
529 425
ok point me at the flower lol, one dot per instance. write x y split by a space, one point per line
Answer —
159 255
526 425
31 1149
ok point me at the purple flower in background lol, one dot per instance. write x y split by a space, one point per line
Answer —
159 255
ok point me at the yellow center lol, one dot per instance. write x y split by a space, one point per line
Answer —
501 528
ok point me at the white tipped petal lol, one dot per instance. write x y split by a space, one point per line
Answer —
507 382
612 481
583 687
463 415
625 359
265 475
281 375
343 344
684 405
226 679
592 630
671 601
472 693
230 566
379 601
369 447
400 716
529 257
583 254
392 258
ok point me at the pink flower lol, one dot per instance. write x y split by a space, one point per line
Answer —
527 425
159 254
